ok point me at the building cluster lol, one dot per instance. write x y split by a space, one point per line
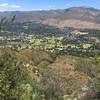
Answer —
16 38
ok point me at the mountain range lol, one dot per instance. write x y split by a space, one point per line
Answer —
76 17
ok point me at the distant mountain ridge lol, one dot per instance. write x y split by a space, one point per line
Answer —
76 17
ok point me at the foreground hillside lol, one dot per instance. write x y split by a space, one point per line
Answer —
38 75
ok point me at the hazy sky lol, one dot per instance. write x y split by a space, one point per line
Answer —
24 5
